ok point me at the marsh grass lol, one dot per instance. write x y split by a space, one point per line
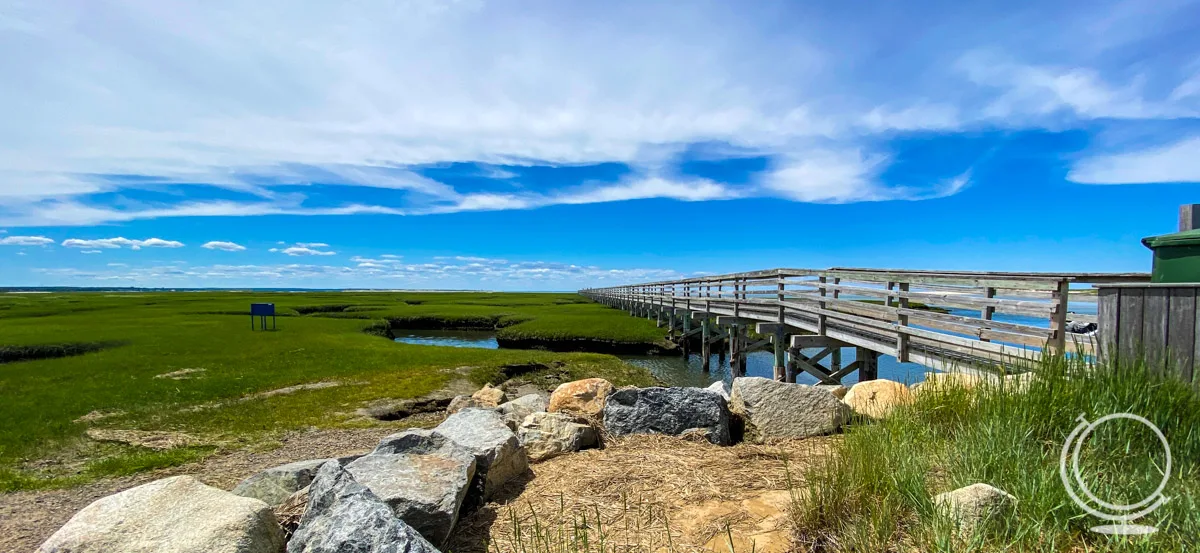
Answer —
44 398
875 494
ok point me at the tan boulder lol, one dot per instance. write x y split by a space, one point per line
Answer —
489 396
582 397
974 506
877 398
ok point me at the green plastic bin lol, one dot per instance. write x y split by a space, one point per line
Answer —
1176 256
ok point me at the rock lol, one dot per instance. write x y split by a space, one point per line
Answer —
426 491
778 410
515 411
276 484
545 435
343 516
877 398
720 387
582 397
973 506
837 390
489 396
670 411
463 402
177 514
498 454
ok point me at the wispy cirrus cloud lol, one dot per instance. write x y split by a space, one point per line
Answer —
1174 162
502 86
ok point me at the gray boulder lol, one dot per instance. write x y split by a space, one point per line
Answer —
498 454
276 484
720 387
426 491
343 516
172 515
671 411
545 435
777 410
515 411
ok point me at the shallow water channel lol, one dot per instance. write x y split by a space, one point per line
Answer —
672 369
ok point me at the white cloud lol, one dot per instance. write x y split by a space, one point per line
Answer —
364 93
469 271
120 242
827 176
223 246
1176 162
1032 91
304 248
25 241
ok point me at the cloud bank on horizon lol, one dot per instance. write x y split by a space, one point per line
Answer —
118 111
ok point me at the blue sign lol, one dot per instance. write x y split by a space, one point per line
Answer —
262 311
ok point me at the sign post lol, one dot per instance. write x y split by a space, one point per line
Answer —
262 311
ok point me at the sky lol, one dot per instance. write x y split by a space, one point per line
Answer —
548 145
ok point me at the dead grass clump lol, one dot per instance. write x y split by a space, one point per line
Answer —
640 493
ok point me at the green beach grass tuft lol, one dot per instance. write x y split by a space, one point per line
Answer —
875 495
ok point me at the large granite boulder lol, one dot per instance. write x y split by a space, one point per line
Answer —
972 507
671 411
877 399
582 397
426 491
545 435
343 516
173 515
498 454
276 484
777 410
515 411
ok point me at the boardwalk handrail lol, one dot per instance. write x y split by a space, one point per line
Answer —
888 310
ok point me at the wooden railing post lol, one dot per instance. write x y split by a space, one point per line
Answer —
902 337
821 304
1058 317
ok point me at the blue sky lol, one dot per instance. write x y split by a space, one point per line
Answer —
533 145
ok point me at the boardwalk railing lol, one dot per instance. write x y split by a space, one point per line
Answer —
940 319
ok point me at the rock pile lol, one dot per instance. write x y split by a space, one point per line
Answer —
409 492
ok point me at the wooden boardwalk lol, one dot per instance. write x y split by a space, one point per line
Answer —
995 317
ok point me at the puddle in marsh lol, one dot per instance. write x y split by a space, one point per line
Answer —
674 370
485 339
